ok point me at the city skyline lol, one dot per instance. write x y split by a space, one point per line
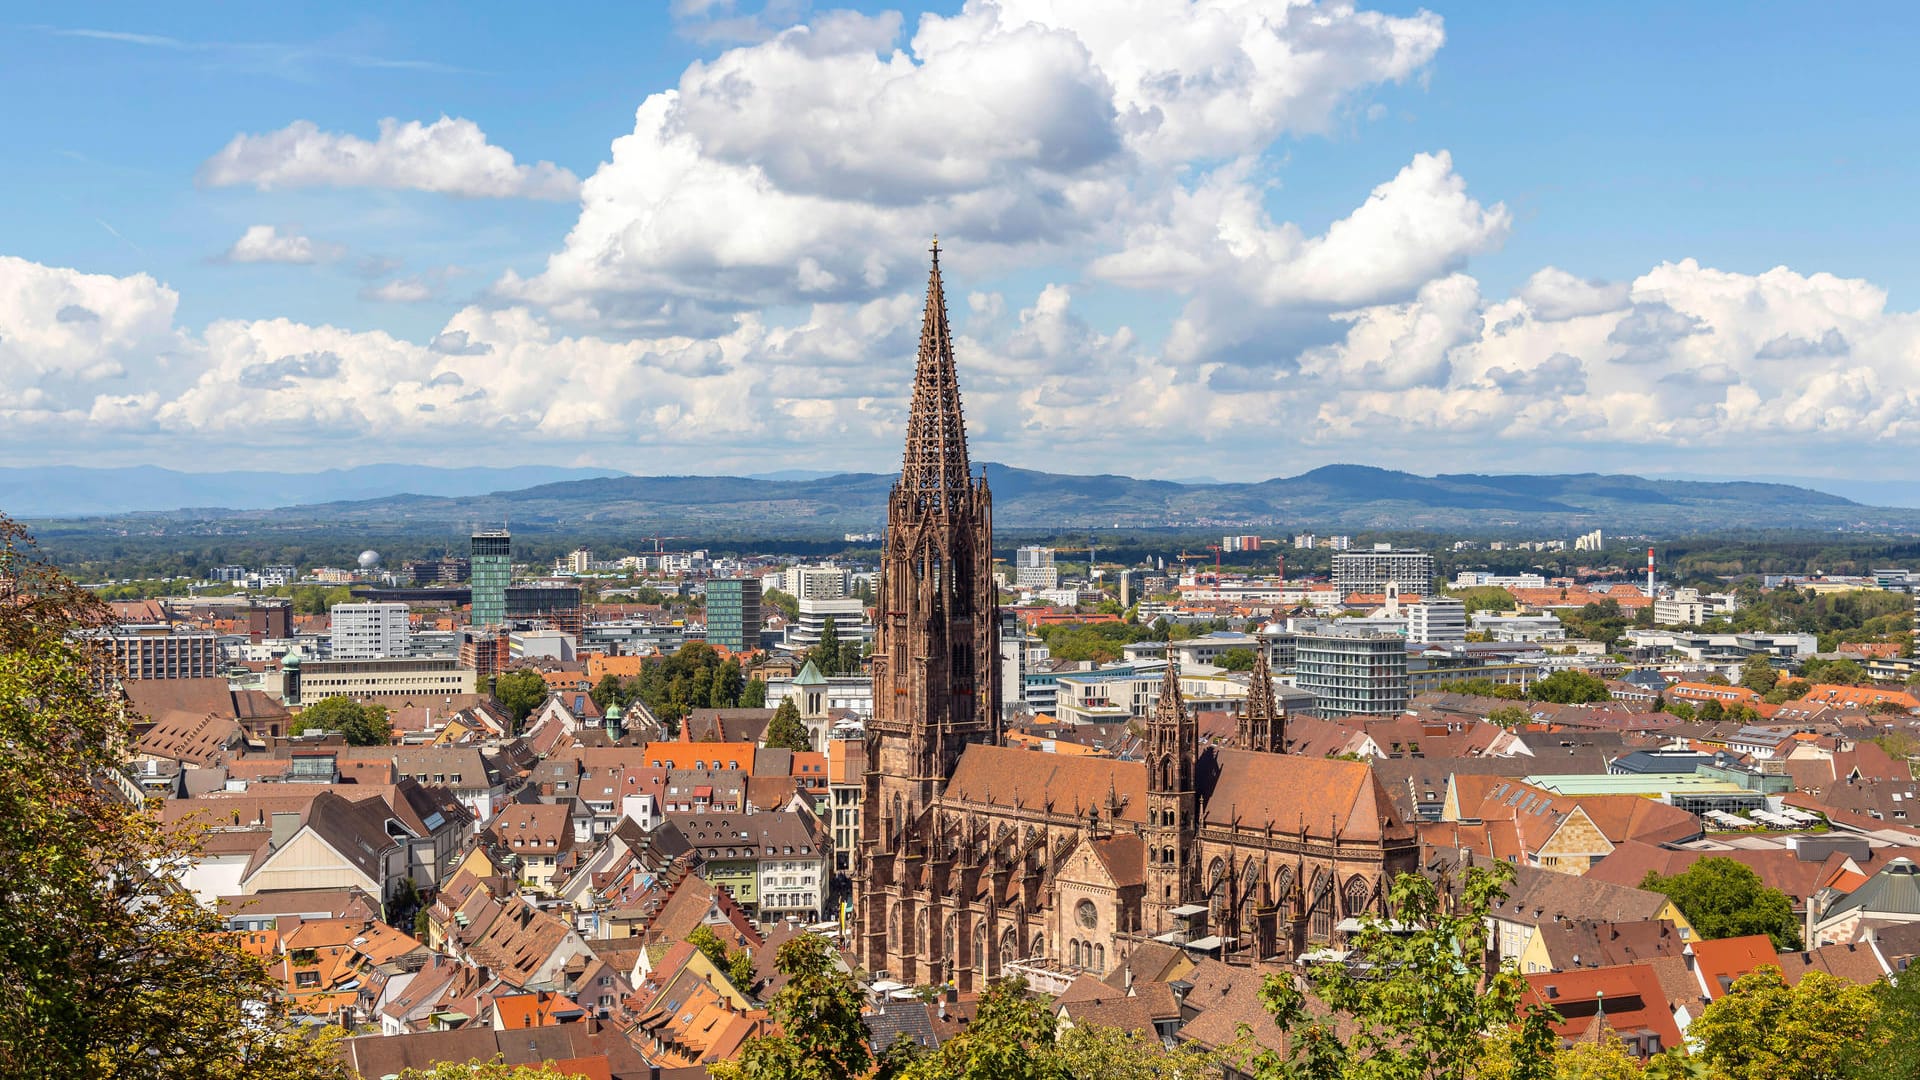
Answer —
1252 248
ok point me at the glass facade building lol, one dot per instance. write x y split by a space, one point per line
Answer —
491 568
733 613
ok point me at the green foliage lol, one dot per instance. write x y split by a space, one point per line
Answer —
1236 660
109 972
818 1010
609 691
1011 1038
1710 712
363 725
1569 688
704 939
1843 672
1723 898
520 692
1484 687
785 731
827 654
1894 1034
694 677
1603 621
739 970
1097 642
1509 716
753 694
1766 1030
1416 1008
1485 598
1679 709
1757 674
785 603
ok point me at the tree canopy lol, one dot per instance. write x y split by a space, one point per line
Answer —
1570 688
1723 898
362 724
520 692
109 971
1763 1029
821 1035
786 731
1236 660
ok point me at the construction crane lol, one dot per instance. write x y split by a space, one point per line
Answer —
657 549
1091 551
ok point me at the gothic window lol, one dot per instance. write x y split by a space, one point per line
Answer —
980 947
952 941
1320 901
1087 915
1166 774
1357 892
1073 953
893 930
1039 945
1100 959
1009 947
1215 870
921 938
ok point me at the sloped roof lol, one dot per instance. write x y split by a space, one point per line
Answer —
1290 791
1006 776
1895 890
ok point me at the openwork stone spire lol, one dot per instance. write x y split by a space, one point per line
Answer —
1262 727
935 470
1172 707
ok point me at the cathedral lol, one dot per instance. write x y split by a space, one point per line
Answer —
975 856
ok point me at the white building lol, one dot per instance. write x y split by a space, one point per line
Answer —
1441 621
1589 542
1480 579
817 582
849 617
1033 568
369 631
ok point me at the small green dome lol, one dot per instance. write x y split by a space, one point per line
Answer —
613 711
291 660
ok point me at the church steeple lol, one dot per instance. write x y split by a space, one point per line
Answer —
1173 810
936 685
935 470
1262 727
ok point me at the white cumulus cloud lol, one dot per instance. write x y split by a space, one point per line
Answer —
450 156
265 243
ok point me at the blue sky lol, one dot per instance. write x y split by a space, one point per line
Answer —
1660 160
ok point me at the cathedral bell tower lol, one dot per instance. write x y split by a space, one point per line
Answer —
936 685
1173 810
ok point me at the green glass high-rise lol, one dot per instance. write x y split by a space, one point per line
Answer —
733 613
492 569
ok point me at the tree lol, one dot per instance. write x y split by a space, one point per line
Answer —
608 691
1764 1029
1710 711
109 969
1570 688
704 939
1757 674
520 692
1509 716
785 603
785 731
826 652
1011 1038
1417 1002
363 725
754 694
1895 1033
740 970
818 1012
1235 660
1723 898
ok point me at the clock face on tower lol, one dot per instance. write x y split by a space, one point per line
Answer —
1087 914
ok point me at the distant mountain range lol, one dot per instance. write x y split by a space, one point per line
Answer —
799 504
78 491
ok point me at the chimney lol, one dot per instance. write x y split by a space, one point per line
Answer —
285 824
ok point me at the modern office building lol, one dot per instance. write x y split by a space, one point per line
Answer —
1352 674
818 582
369 631
162 651
490 569
733 613
359 679
1370 571
1033 568
1440 621
550 602
849 622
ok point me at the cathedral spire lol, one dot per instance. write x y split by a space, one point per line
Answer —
1172 707
1262 727
935 468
